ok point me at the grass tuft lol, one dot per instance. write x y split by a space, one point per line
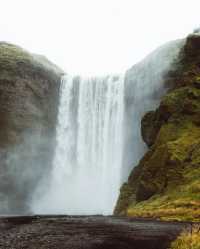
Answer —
188 239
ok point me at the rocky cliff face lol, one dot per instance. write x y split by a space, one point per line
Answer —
144 86
29 88
166 182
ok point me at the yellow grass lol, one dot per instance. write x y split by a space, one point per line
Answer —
188 239
181 202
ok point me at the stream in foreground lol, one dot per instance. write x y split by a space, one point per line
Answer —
86 232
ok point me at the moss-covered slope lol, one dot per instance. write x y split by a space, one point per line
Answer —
166 183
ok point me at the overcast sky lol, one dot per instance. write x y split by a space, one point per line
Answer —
96 36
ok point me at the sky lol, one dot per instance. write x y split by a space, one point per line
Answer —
93 37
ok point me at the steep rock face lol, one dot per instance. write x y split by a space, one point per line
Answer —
166 182
29 88
144 87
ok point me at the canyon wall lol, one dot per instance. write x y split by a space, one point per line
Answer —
29 93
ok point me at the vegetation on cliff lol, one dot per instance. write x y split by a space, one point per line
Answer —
166 183
15 61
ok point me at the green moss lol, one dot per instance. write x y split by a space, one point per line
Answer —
8 51
180 203
17 62
127 195
166 183
179 150
169 181
11 57
170 176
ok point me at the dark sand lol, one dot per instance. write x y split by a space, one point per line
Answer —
86 232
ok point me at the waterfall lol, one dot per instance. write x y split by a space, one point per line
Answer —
86 174
64 132
98 131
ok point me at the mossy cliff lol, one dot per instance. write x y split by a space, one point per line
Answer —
29 88
166 182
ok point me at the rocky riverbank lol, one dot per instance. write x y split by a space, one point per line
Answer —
86 232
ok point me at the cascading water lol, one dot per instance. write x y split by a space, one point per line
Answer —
86 175
98 131
99 143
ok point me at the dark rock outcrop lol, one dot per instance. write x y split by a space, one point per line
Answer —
29 89
149 127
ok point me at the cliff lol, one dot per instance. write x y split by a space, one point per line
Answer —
144 87
165 184
29 88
